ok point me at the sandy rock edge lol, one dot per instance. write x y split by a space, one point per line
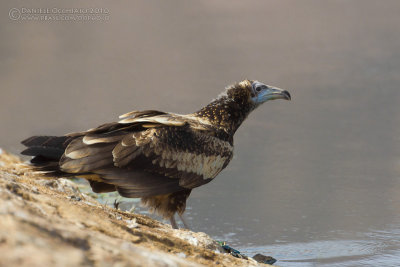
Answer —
46 222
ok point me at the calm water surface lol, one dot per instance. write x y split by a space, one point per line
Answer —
314 181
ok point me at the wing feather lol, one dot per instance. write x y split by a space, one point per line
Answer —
162 119
138 183
144 113
91 139
80 157
88 164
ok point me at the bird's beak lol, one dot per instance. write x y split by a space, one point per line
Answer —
273 93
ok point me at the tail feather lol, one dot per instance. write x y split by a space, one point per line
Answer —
46 152
50 141
51 147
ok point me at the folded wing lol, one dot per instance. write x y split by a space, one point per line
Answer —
148 153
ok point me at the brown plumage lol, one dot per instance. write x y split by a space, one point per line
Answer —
156 156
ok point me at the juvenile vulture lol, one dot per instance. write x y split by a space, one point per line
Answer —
153 155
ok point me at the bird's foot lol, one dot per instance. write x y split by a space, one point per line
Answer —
116 204
184 221
174 223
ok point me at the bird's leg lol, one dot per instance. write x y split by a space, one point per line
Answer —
184 221
173 222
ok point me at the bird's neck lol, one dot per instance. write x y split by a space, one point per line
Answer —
225 113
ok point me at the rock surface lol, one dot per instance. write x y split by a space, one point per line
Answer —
47 222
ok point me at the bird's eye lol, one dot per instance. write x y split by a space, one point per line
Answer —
258 87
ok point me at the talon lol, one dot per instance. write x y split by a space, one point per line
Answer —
116 204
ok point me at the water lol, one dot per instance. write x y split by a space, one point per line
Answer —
314 181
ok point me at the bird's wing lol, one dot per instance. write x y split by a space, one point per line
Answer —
147 152
175 152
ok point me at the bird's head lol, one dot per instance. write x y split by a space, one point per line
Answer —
233 105
256 93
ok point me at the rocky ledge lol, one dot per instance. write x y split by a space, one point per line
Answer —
51 223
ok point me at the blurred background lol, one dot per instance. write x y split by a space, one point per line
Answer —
314 181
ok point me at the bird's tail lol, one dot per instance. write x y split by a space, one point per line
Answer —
46 152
